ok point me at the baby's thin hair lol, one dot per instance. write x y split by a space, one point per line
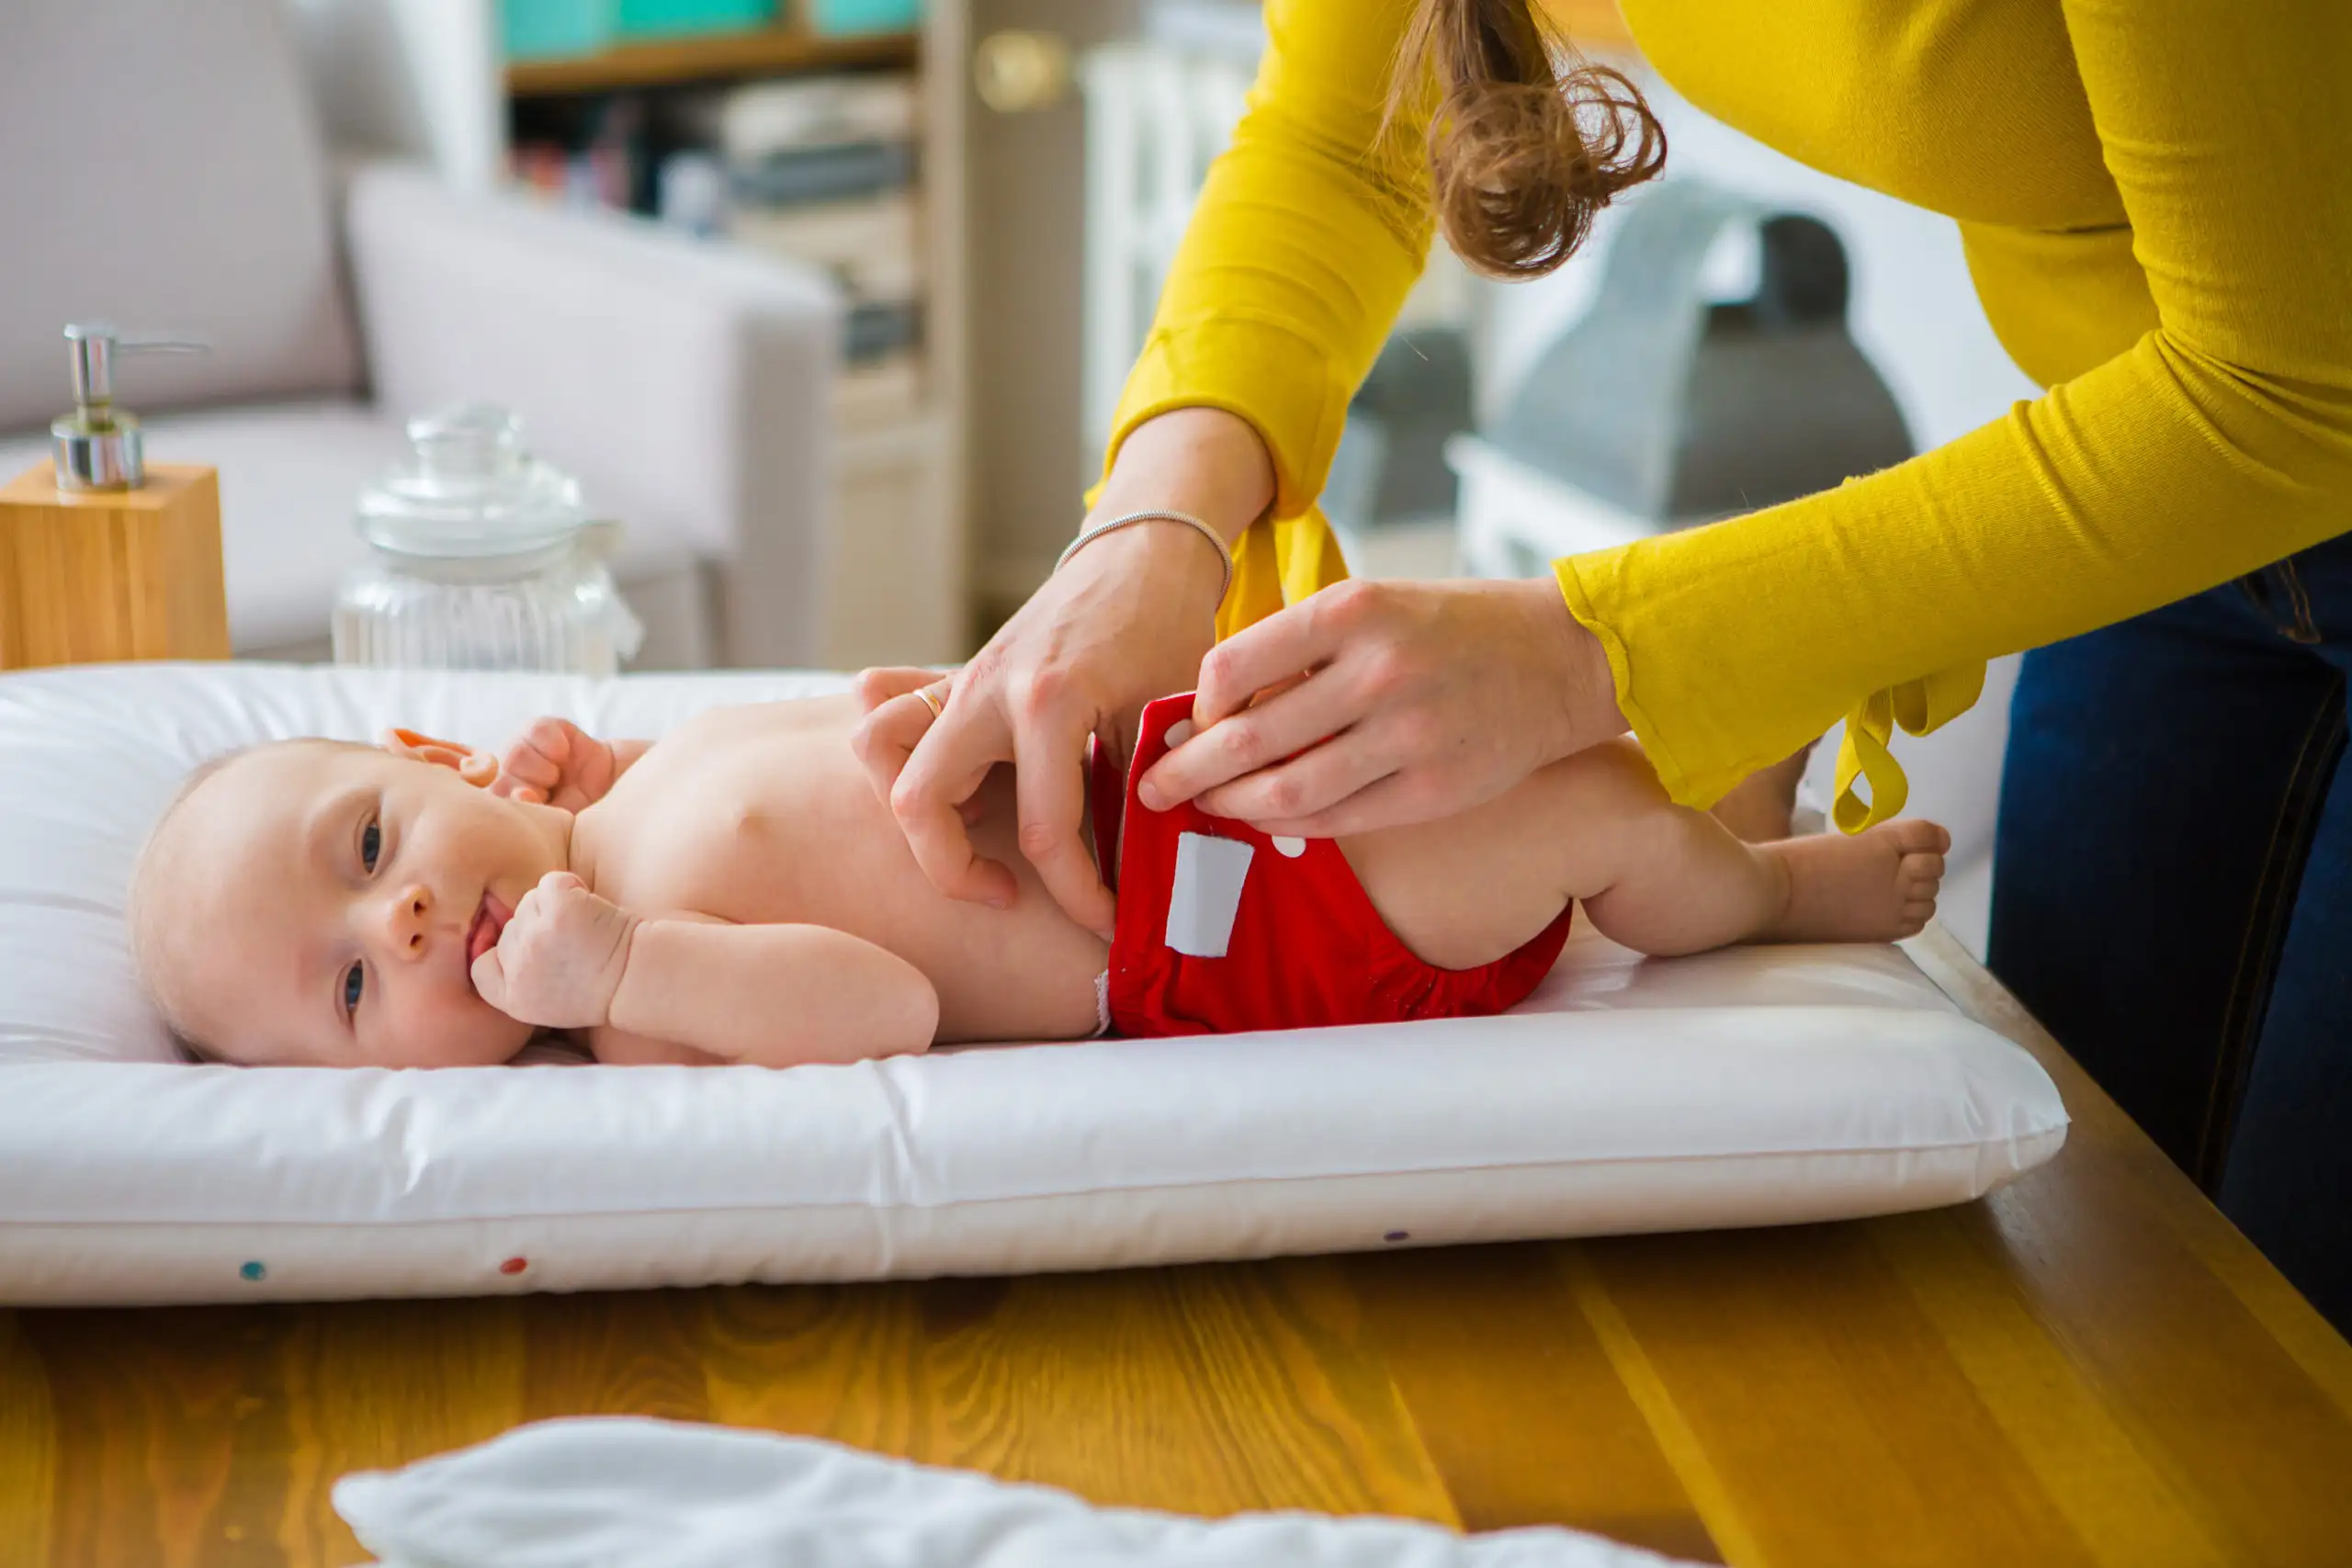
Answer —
137 915
144 954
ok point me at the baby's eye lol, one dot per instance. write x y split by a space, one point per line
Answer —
355 979
371 842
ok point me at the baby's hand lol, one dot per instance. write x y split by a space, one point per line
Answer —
560 959
556 762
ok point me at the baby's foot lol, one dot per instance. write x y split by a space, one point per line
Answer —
1875 887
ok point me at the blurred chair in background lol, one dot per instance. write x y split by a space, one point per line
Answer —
163 167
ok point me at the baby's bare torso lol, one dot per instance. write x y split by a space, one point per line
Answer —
763 815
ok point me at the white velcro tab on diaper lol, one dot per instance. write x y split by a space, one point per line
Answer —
1207 894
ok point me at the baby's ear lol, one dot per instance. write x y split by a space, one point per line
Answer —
476 767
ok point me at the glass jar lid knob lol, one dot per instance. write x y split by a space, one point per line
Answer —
471 491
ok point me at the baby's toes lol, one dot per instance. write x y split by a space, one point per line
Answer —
1916 835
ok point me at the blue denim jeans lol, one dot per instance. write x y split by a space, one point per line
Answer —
2173 892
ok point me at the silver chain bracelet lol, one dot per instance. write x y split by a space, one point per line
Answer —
1129 520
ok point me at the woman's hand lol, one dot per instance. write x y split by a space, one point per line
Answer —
1127 620
898 701
1419 700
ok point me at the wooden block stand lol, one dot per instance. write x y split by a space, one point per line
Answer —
94 577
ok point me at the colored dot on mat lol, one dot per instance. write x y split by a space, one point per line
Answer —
1398 1235
514 1266
252 1271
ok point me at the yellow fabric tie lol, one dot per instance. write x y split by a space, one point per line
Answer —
1281 561
1918 707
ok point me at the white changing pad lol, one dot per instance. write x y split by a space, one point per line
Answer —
1750 1087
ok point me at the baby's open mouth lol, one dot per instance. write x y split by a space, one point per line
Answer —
482 935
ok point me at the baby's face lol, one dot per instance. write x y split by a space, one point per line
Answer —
322 905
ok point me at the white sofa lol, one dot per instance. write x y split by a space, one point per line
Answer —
162 166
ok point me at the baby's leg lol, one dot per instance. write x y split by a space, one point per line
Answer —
1467 889
1658 877
1759 806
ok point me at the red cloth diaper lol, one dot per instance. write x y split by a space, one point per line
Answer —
1222 929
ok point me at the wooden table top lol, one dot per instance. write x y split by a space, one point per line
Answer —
2090 1367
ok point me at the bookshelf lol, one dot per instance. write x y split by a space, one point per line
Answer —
897 586
690 61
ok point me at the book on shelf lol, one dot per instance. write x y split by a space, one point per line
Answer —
870 244
878 327
823 171
831 173
777 117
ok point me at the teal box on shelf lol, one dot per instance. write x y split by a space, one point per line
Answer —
674 18
836 17
551 29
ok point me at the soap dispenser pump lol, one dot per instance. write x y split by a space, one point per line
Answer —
104 556
97 446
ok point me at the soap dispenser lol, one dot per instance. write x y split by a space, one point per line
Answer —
104 555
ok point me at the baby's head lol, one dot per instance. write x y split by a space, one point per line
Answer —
321 902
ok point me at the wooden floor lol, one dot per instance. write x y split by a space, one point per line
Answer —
2089 1368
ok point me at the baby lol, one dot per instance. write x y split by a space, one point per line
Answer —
739 893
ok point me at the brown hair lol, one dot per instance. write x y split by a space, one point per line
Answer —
1527 141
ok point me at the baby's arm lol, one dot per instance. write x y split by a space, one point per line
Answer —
777 996
774 995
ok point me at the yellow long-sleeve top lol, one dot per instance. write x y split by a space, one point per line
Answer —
2157 208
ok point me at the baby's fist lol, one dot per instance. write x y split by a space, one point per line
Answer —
561 957
556 762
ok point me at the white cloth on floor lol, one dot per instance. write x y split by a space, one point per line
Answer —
619 1492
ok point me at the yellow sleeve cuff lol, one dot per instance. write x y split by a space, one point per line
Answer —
1863 757
1277 381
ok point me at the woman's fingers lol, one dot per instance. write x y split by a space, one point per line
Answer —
873 687
1384 803
1050 761
945 768
888 735
1256 737
1272 652
884 742
1308 785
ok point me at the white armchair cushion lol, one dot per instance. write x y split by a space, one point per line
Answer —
687 385
160 167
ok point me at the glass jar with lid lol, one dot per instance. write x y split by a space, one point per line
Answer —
481 557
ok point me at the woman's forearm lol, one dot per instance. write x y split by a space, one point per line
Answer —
1204 461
